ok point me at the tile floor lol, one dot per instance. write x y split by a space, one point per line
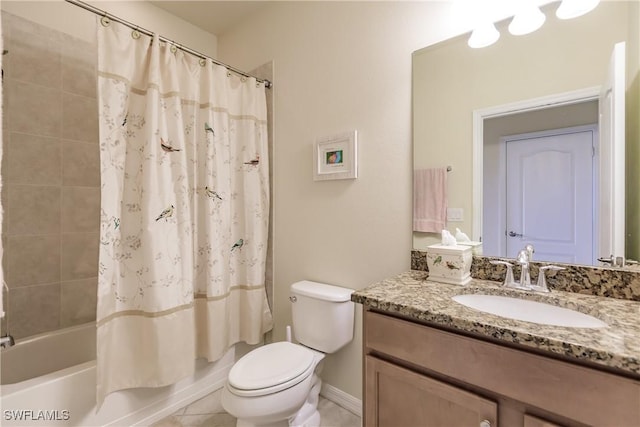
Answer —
208 412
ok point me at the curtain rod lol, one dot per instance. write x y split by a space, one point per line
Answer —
104 13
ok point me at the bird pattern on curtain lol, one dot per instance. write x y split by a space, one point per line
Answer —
184 211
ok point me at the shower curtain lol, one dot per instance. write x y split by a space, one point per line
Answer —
184 211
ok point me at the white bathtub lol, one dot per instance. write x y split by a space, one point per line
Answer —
63 391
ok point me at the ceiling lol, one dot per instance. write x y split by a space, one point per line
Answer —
213 16
218 16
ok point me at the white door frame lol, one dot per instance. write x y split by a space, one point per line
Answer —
479 116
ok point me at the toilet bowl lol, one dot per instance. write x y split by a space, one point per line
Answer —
279 384
272 384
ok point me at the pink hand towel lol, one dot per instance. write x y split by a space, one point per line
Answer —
429 200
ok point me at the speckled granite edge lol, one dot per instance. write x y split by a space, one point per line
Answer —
598 281
411 295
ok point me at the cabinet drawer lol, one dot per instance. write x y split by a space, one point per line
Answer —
576 392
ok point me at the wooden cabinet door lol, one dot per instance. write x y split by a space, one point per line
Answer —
396 396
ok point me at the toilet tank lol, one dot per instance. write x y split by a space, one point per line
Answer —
322 315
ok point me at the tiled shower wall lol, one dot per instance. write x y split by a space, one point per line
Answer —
50 177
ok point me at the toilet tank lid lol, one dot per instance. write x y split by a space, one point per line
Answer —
321 291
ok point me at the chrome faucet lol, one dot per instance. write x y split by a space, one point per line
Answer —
541 285
523 259
618 261
7 341
509 282
525 256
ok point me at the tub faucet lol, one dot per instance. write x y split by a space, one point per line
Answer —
7 341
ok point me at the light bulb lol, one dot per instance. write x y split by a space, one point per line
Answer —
483 36
573 8
529 19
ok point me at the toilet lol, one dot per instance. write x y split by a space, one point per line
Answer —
278 384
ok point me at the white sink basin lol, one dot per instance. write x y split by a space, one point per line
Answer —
529 311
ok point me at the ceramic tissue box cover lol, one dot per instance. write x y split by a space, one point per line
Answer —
450 264
476 247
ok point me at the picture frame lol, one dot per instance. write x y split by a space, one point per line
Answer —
336 157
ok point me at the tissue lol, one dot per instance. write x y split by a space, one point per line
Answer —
448 239
461 237
464 240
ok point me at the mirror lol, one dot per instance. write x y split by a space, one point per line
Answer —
453 82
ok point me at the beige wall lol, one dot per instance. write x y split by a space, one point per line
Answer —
576 55
67 18
340 66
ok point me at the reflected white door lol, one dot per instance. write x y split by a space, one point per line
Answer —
612 158
550 197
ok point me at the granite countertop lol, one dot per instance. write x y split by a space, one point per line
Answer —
413 296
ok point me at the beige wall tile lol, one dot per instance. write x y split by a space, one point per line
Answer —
80 209
80 164
6 40
49 88
16 27
33 310
33 160
32 209
34 58
5 103
34 109
78 301
5 155
32 260
79 255
3 200
79 118
79 68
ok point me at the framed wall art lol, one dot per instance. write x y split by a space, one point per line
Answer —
336 157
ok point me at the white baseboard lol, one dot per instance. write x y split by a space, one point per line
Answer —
339 397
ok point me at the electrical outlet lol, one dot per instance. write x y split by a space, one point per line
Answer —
455 214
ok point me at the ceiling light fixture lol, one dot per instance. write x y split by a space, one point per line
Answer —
528 19
573 8
483 36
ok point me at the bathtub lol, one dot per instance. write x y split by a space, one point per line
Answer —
49 380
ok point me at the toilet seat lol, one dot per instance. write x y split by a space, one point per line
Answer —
271 368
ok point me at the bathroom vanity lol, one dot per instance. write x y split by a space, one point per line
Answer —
430 361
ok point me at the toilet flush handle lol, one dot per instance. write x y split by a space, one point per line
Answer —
293 298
